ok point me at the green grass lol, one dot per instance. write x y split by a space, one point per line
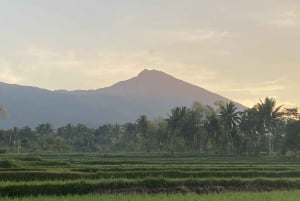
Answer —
82 187
84 173
243 196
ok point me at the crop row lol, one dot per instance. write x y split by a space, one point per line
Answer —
182 168
139 162
134 168
233 196
198 174
90 186
42 175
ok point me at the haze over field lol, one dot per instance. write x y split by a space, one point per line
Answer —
244 50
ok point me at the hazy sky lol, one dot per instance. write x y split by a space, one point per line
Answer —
244 50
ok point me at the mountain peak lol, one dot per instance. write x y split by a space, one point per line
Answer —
160 85
153 74
147 72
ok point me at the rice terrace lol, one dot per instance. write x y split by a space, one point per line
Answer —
146 176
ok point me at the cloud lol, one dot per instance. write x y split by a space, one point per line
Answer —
249 93
278 84
6 74
70 69
289 18
199 35
262 89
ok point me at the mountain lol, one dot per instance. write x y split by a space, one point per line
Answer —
153 93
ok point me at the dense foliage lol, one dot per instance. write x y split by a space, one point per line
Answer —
224 129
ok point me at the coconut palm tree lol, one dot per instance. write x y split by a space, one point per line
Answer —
269 117
44 131
142 131
230 115
185 122
249 127
211 126
230 118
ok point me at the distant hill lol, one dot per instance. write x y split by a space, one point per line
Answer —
153 93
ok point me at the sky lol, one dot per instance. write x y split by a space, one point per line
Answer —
243 50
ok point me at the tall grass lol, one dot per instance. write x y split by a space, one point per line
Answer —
81 187
237 196
53 174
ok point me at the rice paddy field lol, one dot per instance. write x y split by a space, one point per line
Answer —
273 196
147 176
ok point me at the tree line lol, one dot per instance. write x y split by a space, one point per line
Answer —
223 129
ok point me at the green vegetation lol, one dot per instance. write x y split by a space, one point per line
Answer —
223 130
196 150
85 173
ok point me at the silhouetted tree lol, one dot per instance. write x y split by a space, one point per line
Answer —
230 117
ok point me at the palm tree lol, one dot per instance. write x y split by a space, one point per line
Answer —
211 126
249 127
142 131
142 124
269 116
184 122
177 124
269 113
44 131
231 119
177 118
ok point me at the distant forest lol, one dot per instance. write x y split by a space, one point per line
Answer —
262 129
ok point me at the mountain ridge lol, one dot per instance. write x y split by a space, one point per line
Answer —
152 93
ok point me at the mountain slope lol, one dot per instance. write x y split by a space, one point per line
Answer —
159 84
152 93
